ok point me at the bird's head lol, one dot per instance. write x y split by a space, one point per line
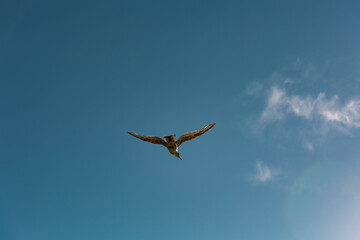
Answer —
177 155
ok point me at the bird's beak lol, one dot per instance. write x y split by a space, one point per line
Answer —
180 158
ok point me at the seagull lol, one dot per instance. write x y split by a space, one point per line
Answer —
170 142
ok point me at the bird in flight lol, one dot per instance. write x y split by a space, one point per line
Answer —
169 141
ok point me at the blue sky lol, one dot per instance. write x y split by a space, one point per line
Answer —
280 78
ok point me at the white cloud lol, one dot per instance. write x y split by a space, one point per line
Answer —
275 103
302 106
309 146
329 111
263 172
254 88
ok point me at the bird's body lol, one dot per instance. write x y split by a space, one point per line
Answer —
169 141
171 144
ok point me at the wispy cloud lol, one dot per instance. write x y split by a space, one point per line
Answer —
329 111
254 88
263 173
309 146
274 107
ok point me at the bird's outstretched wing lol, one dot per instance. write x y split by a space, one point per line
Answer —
151 139
191 135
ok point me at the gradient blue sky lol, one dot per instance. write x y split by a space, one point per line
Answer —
280 78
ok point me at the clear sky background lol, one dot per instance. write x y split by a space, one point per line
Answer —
280 78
